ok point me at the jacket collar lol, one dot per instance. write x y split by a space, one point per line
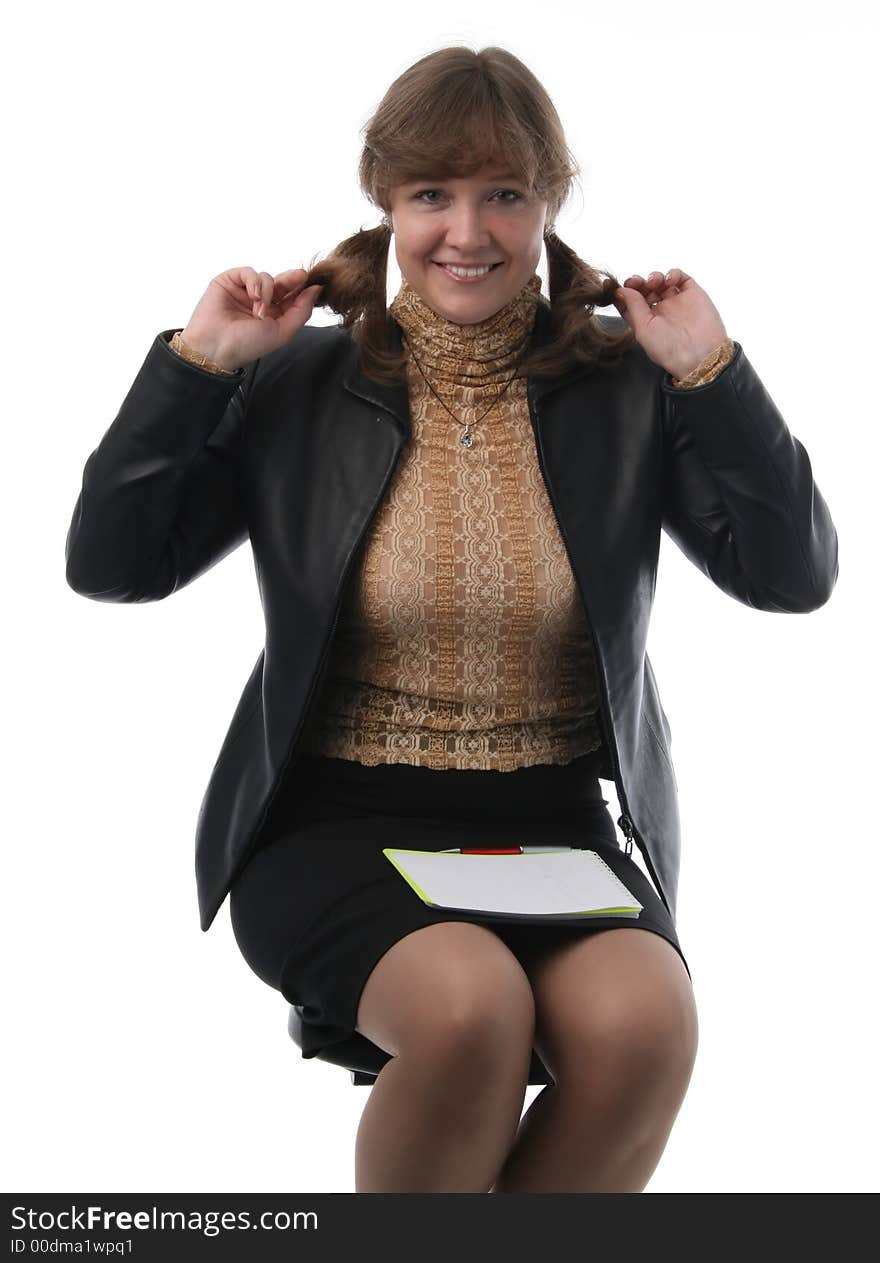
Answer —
394 397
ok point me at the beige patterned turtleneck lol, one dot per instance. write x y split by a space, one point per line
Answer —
461 641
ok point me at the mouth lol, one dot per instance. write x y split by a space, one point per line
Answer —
467 280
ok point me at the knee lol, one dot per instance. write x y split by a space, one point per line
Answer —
451 992
479 1022
639 1052
660 1043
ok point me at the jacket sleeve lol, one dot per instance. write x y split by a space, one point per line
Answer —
739 497
161 497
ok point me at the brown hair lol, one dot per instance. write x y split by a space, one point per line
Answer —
448 114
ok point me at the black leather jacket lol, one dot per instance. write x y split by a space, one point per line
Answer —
295 452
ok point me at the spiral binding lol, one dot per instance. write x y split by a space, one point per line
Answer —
611 873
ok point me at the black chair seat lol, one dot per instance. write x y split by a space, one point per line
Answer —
364 1059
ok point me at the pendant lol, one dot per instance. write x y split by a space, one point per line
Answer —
467 439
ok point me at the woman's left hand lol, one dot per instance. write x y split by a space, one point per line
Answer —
682 326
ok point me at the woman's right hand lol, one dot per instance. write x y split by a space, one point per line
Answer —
244 314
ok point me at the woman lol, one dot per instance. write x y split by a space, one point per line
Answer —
454 504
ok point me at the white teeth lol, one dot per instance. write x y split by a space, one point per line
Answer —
467 271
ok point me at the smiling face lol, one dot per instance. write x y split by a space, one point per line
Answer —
485 218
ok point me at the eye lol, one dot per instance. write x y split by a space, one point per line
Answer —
418 196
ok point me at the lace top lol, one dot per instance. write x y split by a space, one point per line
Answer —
461 640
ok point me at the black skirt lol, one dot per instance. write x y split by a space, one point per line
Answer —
317 905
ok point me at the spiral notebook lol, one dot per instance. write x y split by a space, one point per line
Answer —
528 882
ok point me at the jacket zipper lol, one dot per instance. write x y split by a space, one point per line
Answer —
624 820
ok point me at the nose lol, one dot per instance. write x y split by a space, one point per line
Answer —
465 231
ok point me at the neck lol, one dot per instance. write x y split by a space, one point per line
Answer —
473 355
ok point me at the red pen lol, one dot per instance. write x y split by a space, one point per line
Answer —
502 850
490 850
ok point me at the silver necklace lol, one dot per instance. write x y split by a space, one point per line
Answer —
466 439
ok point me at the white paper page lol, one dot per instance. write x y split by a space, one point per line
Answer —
552 883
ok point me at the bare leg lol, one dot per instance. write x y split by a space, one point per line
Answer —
454 1007
433 1125
561 1147
617 1027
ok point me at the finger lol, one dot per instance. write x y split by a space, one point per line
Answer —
248 280
244 279
636 284
254 285
291 276
298 310
634 306
263 286
288 283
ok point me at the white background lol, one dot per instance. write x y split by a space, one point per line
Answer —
154 147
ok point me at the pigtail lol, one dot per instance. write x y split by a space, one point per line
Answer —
353 279
576 289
